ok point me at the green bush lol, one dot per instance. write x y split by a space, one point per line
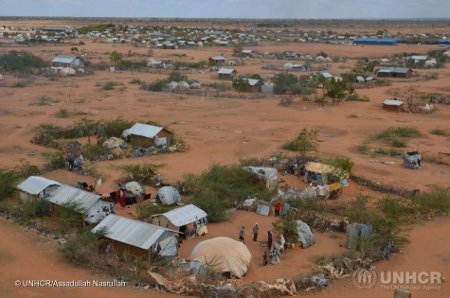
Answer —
70 216
55 160
8 180
395 208
156 86
287 225
82 247
21 62
95 152
435 200
136 82
304 143
109 85
439 132
146 210
230 184
36 208
357 97
343 166
112 128
215 208
177 77
143 173
63 113
397 132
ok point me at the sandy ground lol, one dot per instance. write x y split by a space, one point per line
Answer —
223 131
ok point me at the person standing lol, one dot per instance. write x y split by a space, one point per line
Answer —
269 240
242 234
255 232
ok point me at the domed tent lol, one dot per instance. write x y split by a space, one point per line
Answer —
305 235
223 254
169 195
135 188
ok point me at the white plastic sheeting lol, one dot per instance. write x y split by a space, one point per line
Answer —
169 195
305 235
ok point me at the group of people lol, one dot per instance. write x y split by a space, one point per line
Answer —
273 251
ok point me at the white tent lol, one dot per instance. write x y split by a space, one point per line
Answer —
135 188
223 254
270 175
169 195
305 235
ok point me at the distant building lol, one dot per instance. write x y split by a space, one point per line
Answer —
395 72
253 85
67 61
387 41
227 73
393 104
216 60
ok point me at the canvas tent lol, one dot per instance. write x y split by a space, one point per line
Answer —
139 236
411 159
224 254
90 204
168 195
304 233
189 220
36 186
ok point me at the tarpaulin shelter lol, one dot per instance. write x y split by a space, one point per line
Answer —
168 195
223 254
304 233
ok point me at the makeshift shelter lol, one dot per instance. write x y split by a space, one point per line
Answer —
168 195
305 235
393 104
355 232
395 72
91 205
158 135
270 175
36 187
189 220
223 254
411 159
262 208
135 188
317 173
139 237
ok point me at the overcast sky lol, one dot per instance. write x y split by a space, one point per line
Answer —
297 9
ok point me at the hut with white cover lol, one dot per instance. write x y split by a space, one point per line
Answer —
223 254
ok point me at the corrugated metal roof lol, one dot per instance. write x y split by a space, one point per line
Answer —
36 184
326 75
67 194
144 130
132 232
395 69
184 215
217 58
393 102
226 71
64 59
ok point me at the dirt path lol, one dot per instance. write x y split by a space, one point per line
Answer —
26 256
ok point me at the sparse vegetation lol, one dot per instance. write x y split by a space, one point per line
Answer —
109 85
8 179
304 143
438 132
143 173
55 160
63 113
21 63
146 210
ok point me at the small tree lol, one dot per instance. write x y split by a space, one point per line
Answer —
287 225
239 84
304 143
177 77
115 57
283 83
237 49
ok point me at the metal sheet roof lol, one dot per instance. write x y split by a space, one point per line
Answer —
217 58
395 69
133 232
35 184
67 194
184 215
226 71
252 82
144 130
64 59
393 102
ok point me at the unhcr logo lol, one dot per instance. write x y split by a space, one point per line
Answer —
364 278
